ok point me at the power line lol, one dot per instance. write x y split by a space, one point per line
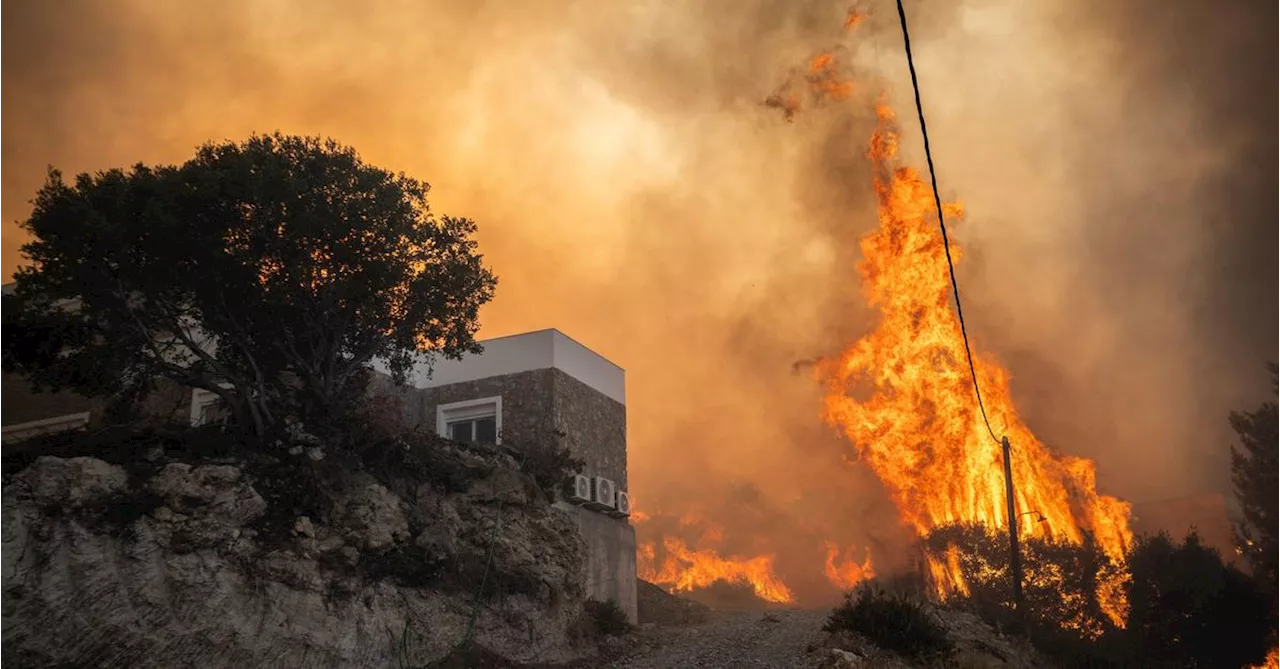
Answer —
937 200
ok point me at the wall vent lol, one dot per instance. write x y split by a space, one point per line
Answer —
581 492
605 493
623 507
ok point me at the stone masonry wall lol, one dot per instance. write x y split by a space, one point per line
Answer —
535 404
594 425
526 403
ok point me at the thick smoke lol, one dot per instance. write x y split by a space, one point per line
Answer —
632 191
1125 183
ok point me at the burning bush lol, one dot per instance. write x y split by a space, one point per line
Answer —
892 621
1063 584
1185 607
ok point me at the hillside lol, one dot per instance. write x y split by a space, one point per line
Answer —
185 549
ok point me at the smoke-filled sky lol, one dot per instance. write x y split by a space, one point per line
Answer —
1117 162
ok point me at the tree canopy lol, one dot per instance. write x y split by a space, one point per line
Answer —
1186 608
1254 467
272 272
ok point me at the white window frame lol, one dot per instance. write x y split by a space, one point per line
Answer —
63 423
468 409
201 398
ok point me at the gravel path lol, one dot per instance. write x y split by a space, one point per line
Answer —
729 641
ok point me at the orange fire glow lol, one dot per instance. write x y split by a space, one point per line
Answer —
1272 661
904 397
825 79
852 19
847 572
685 570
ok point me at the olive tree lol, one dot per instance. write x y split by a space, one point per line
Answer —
272 272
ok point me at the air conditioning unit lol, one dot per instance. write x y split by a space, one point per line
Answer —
623 507
581 491
605 492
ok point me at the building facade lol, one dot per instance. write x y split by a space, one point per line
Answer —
538 388
535 388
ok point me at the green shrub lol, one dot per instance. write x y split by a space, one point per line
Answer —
551 465
894 622
607 617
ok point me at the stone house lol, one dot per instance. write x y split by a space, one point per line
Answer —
539 387
542 386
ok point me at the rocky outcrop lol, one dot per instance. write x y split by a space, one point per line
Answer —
288 562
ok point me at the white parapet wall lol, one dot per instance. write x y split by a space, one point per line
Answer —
544 349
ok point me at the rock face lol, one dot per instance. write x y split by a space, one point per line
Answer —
189 562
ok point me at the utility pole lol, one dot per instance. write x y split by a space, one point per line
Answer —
1015 558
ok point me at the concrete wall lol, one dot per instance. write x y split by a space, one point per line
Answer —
611 557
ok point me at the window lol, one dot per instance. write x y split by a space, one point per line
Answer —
471 421
207 408
475 430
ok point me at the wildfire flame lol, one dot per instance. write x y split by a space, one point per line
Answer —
847 572
686 570
853 18
825 79
1272 661
904 397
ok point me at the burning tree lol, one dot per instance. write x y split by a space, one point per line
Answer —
904 397
1061 579
271 272
903 394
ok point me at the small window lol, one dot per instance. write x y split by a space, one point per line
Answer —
476 421
207 408
475 430
214 413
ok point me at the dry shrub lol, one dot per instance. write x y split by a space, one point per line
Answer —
893 622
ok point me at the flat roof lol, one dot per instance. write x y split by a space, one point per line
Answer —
529 351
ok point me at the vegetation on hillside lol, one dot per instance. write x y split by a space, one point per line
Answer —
271 272
891 620
1186 608
1254 471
